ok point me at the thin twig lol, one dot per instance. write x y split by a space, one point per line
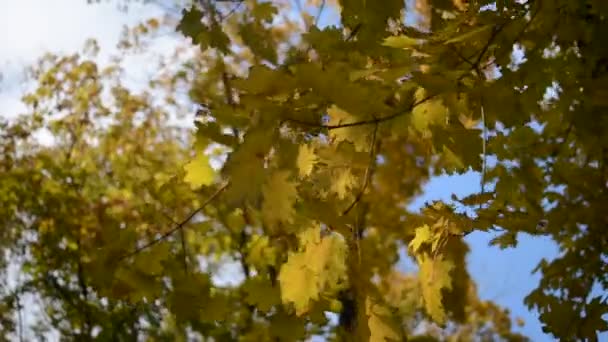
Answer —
176 227
231 12
475 66
461 56
364 122
184 255
321 8
366 176
354 32
483 148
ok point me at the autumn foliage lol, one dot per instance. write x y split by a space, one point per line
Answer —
285 215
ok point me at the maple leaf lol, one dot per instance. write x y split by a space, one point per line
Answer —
191 24
310 236
260 252
199 172
298 283
306 160
322 262
150 262
280 194
287 327
343 183
434 277
261 293
380 323
423 235
327 260
360 136
429 113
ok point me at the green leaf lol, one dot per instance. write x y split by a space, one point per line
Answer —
261 293
191 24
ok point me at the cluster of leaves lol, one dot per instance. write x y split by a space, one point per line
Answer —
107 226
323 136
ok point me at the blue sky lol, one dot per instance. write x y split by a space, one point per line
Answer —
28 28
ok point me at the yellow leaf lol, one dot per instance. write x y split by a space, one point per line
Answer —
320 267
310 235
298 283
199 172
431 112
423 235
279 196
434 277
381 326
261 253
360 136
400 42
343 183
328 261
306 160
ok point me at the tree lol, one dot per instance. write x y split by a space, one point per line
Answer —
115 244
327 134
453 94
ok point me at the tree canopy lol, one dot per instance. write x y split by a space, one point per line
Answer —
310 142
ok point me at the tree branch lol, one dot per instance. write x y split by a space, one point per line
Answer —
177 227
373 121
321 8
367 175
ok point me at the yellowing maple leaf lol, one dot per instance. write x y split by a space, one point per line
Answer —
423 235
310 236
261 253
199 172
279 196
431 112
343 182
298 283
434 277
327 260
360 136
306 160
381 326
321 266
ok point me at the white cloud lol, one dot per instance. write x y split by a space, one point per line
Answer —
30 28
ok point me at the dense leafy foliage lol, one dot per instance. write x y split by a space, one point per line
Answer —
323 136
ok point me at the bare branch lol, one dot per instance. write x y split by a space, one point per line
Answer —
321 8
